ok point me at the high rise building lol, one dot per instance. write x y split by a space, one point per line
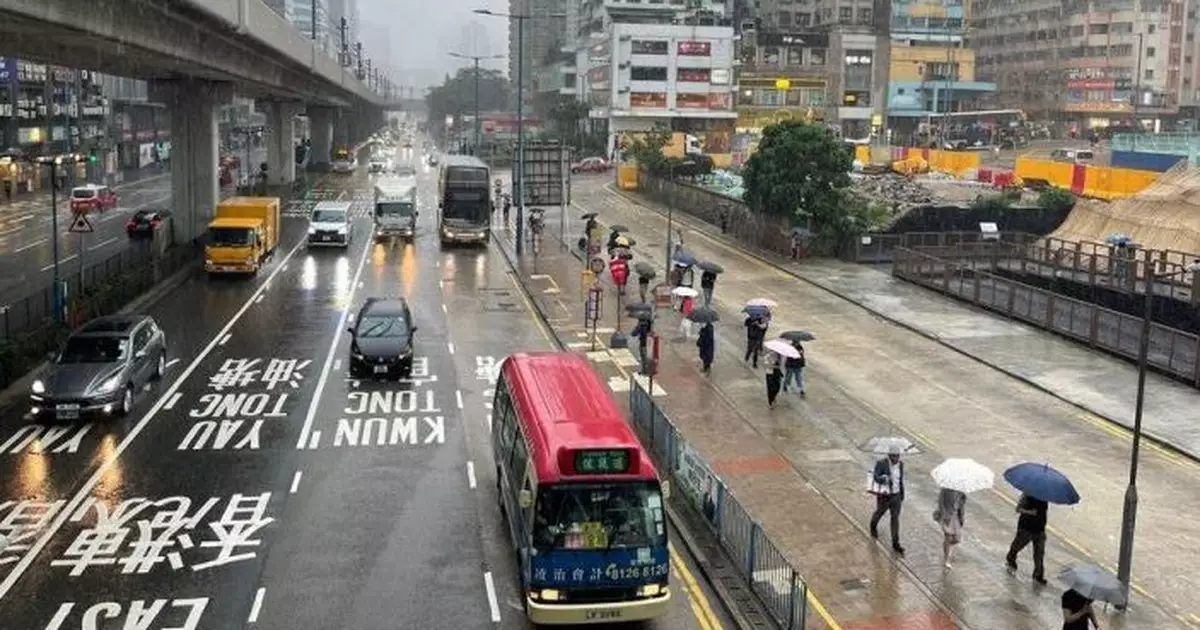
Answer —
1089 64
543 36
314 19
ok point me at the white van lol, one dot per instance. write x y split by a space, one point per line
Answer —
396 207
1078 156
330 224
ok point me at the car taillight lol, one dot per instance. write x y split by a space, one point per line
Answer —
131 223
156 220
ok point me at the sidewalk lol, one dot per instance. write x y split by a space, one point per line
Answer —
869 377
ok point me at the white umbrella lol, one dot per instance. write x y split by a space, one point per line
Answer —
762 302
684 292
782 348
964 475
890 445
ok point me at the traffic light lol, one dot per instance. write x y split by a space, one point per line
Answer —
93 157
301 153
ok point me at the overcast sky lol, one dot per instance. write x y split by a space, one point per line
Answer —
417 35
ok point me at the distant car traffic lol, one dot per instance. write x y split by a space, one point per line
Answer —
101 368
344 166
381 342
433 160
378 164
591 165
146 222
92 197
406 171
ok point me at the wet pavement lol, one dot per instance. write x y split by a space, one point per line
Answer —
26 249
258 485
869 377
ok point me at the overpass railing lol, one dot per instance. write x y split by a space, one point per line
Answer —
1172 351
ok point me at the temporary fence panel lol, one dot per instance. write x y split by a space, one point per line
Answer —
766 572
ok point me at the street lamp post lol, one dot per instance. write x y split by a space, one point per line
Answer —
519 185
671 218
476 59
1129 511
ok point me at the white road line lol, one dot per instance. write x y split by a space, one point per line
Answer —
224 340
303 442
256 607
315 440
444 309
260 296
102 244
285 267
458 397
172 362
450 344
493 604
172 400
60 262
296 482
337 364
441 284
471 475
31 245
489 418
102 471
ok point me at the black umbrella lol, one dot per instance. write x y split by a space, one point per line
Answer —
618 228
710 267
622 252
704 315
645 270
684 258
639 306
13 152
589 215
797 335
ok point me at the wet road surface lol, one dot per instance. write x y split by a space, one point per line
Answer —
26 249
258 484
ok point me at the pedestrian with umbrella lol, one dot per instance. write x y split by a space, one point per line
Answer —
774 377
957 478
886 482
757 321
708 279
1040 485
1085 584
707 342
687 305
645 273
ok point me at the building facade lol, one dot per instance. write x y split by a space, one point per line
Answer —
322 20
1090 63
544 37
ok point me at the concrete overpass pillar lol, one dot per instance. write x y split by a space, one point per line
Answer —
341 129
320 122
195 186
281 147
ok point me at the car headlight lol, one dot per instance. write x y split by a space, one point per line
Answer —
39 387
311 230
651 590
109 386
342 229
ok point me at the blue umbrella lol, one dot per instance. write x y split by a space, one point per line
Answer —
1040 481
756 311
685 258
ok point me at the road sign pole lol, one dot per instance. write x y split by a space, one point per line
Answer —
58 292
81 251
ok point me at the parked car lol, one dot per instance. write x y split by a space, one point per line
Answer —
591 165
146 222
344 165
92 197
101 368
381 342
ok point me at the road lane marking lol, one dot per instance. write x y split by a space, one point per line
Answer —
701 609
337 364
444 309
172 400
102 471
458 397
533 314
493 604
305 438
224 340
450 345
171 362
60 262
314 440
38 243
471 475
260 297
295 482
256 607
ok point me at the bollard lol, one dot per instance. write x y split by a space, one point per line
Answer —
752 553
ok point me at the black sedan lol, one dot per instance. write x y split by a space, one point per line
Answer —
146 222
381 342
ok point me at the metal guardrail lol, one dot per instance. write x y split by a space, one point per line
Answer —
1172 351
764 568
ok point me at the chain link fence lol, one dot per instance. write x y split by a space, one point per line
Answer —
764 568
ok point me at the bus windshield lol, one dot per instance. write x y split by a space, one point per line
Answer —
393 209
599 516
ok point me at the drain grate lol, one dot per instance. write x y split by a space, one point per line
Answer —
853 584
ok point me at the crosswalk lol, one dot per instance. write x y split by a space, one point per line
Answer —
359 209
614 365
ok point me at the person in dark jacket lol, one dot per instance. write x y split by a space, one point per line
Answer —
793 369
707 345
774 377
708 280
1031 528
756 331
888 478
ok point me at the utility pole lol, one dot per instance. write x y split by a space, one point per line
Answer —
359 59
314 20
520 187
344 50
478 119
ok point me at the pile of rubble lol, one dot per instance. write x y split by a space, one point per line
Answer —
895 191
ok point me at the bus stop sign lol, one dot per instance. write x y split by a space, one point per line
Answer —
596 265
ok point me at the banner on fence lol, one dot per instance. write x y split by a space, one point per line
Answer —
697 480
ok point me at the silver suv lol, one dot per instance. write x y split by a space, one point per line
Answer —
101 368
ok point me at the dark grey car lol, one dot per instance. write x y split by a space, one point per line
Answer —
101 368
381 343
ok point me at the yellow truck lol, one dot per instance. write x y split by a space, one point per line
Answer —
243 233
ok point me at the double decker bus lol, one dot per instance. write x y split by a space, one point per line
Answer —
582 499
464 200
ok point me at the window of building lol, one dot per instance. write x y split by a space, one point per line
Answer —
803 19
649 47
719 100
691 101
746 97
1150 29
845 14
693 75
816 57
784 18
648 73
648 100
795 56
770 55
1150 51
864 16
694 49
769 97
720 76
1149 74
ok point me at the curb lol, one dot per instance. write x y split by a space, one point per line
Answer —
689 541
709 232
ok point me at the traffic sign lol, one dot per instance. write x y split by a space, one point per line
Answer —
596 265
662 295
81 225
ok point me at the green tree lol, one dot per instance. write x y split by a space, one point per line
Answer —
456 96
802 170
646 149
1056 199
568 115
